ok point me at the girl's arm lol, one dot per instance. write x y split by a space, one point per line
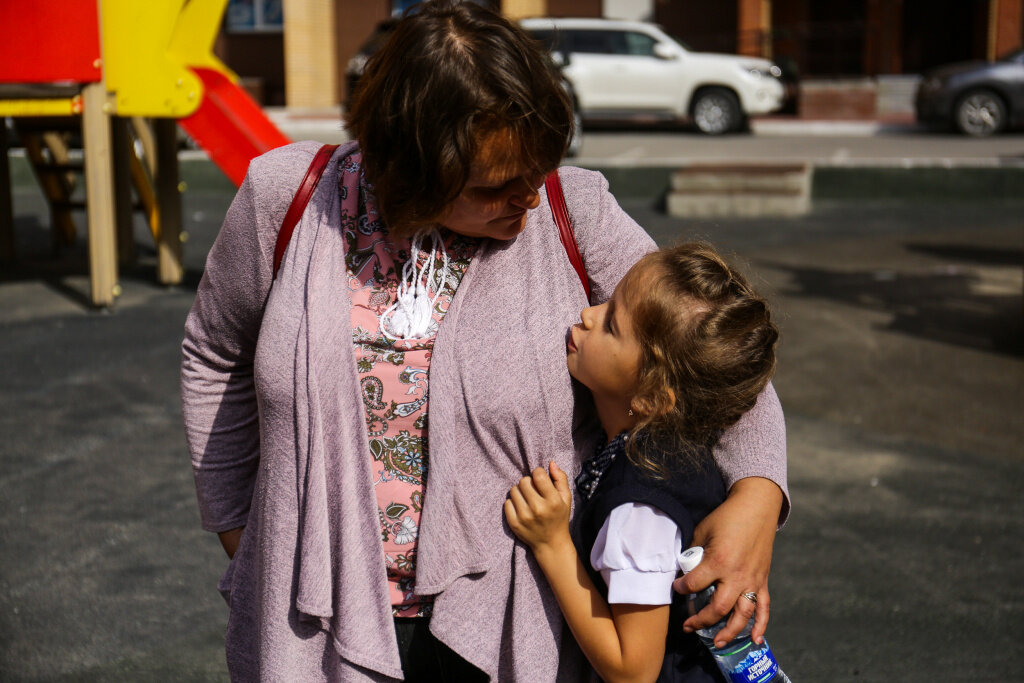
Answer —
622 642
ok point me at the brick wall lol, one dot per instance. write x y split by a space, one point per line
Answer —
838 99
310 53
1009 26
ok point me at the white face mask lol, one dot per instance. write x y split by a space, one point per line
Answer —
411 316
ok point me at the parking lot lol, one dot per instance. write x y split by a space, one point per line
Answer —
901 372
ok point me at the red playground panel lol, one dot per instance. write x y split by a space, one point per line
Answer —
49 41
230 126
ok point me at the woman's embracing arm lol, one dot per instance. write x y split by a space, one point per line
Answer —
739 535
217 391
756 447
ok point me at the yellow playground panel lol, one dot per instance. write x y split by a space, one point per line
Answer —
111 64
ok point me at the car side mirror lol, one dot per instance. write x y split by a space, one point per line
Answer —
663 51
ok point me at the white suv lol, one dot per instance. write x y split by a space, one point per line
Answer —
624 68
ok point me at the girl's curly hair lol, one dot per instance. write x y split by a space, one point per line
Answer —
708 350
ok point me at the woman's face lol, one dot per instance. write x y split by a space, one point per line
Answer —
496 196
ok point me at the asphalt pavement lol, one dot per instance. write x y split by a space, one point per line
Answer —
891 142
901 372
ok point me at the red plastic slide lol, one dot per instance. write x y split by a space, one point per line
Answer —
230 126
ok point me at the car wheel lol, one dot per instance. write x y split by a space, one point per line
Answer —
980 113
716 111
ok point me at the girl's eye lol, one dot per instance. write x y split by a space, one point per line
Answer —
608 324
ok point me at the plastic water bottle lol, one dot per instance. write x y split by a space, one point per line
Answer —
742 660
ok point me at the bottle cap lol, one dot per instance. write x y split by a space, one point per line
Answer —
690 558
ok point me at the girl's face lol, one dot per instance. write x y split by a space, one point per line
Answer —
496 196
604 353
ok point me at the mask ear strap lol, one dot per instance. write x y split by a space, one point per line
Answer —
413 305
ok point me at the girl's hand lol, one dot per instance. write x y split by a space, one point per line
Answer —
538 509
737 539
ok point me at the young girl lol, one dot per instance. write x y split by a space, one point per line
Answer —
676 356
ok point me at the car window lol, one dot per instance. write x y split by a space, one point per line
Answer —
595 42
613 43
639 44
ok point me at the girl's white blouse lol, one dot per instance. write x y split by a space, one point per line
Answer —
635 553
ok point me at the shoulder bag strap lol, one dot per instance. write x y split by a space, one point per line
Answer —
556 200
299 201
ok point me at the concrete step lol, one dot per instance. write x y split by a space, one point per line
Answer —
710 190
748 206
741 177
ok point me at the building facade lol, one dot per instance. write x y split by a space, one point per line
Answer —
294 52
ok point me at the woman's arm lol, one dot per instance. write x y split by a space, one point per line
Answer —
610 241
217 390
217 383
739 535
622 642
230 539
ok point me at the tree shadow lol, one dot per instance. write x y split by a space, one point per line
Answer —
948 303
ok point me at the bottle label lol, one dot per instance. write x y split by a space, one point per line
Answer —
758 666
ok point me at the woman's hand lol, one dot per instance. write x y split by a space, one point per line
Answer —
230 540
538 509
737 539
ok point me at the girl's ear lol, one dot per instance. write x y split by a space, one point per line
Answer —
654 406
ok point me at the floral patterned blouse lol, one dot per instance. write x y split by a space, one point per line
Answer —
394 375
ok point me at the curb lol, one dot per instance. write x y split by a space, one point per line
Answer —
909 180
920 182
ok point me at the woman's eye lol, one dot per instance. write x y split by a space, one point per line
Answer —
490 191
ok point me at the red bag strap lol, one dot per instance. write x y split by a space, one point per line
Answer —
556 200
299 202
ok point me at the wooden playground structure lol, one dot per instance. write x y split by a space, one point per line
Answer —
124 75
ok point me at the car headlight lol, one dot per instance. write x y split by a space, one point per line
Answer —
760 72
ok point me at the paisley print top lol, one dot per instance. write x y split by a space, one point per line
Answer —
393 375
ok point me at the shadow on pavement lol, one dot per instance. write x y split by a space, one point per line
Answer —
977 308
971 253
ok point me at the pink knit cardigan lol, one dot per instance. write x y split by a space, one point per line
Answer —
278 441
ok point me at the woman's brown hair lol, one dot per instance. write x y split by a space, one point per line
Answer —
450 74
708 350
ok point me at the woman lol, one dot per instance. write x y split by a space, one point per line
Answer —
305 396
